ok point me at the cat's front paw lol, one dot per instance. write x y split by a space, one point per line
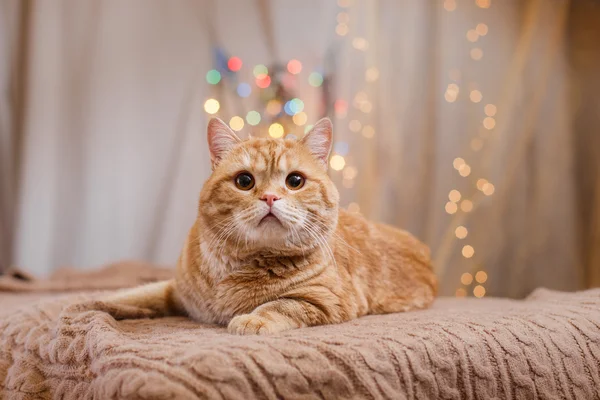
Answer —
252 324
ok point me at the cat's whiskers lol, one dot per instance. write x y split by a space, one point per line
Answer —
223 234
313 230
336 236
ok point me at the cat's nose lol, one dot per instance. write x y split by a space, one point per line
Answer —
270 198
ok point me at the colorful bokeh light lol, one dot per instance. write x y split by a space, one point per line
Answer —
341 148
236 123
211 106
263 81
260 70
234 64
294 67
213 77
300 118
276 130
315 79
253 118
244 90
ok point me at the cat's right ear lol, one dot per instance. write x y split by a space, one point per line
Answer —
221 139
319 139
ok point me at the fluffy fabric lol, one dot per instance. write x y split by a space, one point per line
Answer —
547 346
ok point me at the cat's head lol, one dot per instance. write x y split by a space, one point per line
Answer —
268 194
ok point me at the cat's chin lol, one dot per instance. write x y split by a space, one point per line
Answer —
268 220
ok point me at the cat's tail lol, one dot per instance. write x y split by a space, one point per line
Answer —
158 298
153 300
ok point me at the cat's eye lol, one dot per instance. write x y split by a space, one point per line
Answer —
244 181
294 181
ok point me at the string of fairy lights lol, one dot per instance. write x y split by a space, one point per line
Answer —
361 103
458 202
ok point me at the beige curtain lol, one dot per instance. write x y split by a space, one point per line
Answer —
13 20
113 153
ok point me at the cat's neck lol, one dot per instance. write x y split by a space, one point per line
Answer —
224 258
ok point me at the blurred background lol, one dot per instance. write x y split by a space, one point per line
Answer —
474 124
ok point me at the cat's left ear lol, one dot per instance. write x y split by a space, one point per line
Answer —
319 139
221 140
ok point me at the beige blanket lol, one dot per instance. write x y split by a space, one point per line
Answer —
545 347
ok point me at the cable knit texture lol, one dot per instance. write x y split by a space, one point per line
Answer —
76 347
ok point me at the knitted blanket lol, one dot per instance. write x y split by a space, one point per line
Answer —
71 346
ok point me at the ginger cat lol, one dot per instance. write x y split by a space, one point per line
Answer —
270 251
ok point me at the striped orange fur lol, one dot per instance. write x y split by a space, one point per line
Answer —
267 254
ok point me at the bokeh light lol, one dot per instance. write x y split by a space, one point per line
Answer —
450 5
466 279
213 77
472 35
457 163
481 182
489 123
360 43
337 162
244 90
371 74
293 106
273 107
468 251
350 173
475 96
300 118
211 106
466 205
341 108
476 54
276 130
490 110
234 64
451 207
454 196
341 148
481 29
315 79
481 276
483 3
464 170
307 128
236 123
294 66
366 107
368 131
355 125
488 189
479 291
260 70
263 81
451 92
342 29
461 232
253 118
461 292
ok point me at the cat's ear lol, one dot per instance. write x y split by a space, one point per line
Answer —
221 140
318 140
